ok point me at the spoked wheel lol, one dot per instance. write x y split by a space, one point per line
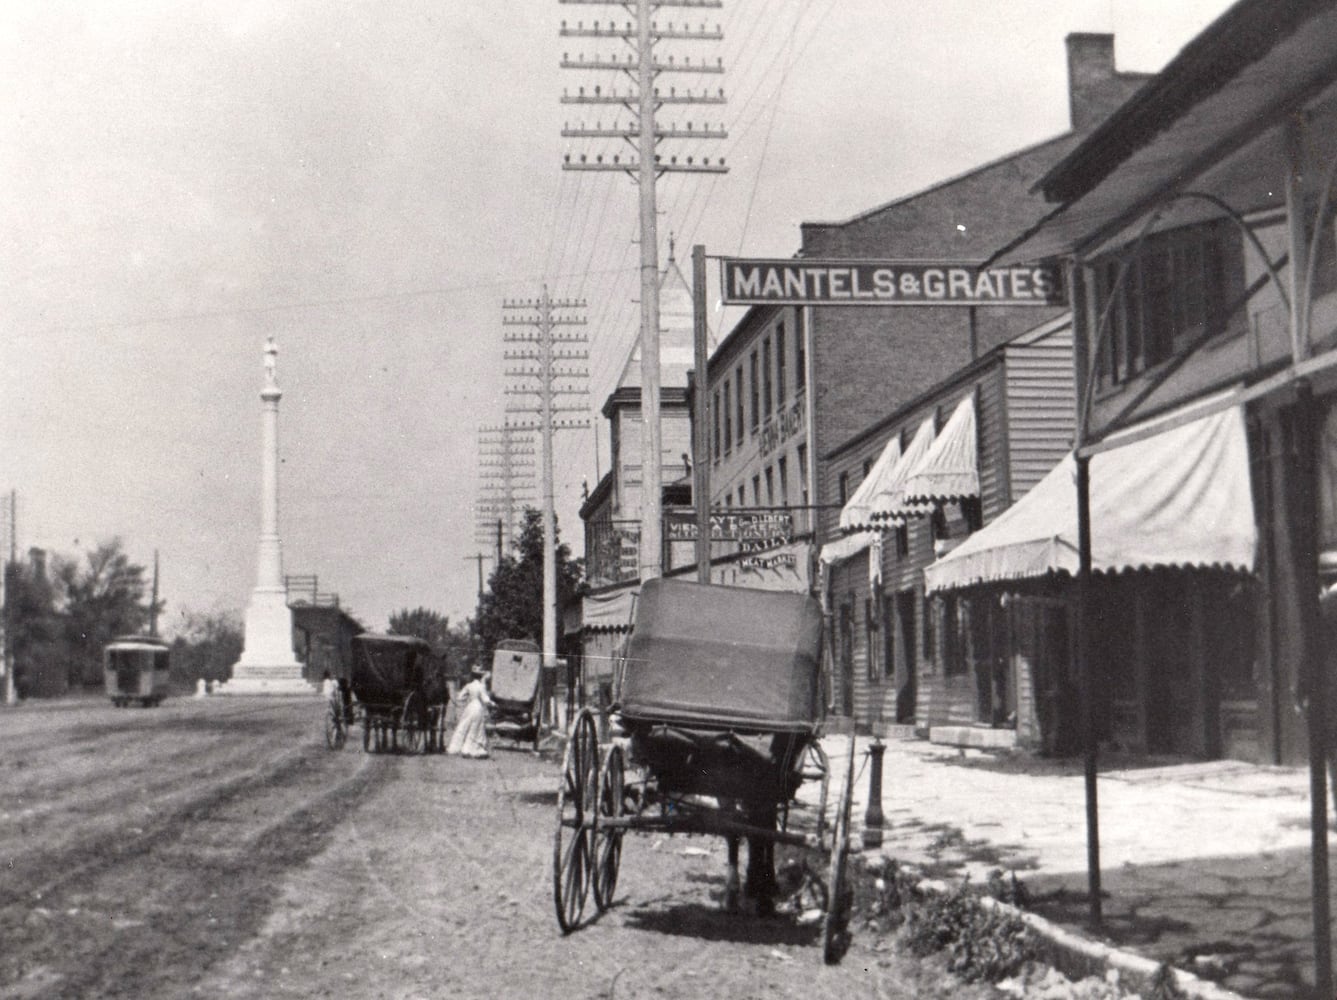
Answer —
835 925
335 732
573 844
410 720
608 842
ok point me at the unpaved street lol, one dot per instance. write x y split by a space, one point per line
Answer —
217 848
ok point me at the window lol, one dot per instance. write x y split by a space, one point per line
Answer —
903 540
770 486
802 454
728 426
867 467
756 491
738 376
728 499
800 353
766 376
1178 289
783 472
955 628
843 489
756 387
715 415
779 365
930 631
870 635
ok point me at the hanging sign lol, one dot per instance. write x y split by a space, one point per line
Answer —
886 283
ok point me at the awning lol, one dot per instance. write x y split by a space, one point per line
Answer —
1181 498
844 548
610 612
889 501
950 469
857 513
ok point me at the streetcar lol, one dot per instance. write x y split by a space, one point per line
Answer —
136 670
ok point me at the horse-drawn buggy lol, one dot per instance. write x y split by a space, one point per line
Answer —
718 712
517 691
397 689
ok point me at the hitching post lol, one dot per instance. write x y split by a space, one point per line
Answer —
873 819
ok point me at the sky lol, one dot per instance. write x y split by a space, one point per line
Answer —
366 181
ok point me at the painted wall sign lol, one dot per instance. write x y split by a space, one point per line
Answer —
886 283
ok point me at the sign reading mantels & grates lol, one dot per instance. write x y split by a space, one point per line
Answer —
887 283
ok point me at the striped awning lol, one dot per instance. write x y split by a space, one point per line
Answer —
857 513
1179 499
950 469
889 501
844 548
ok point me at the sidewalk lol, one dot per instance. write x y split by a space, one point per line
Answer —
1204 865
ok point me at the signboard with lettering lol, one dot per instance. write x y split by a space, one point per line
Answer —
754 531
886 283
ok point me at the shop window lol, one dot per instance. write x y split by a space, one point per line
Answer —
955 629
1179 288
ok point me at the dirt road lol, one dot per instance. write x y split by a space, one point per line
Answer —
216 848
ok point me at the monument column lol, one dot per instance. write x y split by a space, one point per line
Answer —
267 664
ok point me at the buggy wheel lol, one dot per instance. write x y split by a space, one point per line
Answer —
335 734
835 925
573 843
410 720
608 842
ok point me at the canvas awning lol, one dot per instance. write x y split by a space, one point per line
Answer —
1181 498
609 612
950 469
857 513
889 500
844 548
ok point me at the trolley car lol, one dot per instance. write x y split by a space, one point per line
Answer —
719 704
399 694
136 668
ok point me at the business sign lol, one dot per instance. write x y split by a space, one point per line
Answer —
886 283
755 532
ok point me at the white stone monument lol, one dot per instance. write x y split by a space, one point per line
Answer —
267 664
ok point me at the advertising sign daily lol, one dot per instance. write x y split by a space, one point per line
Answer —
886 283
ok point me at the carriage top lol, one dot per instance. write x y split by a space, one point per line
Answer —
387 667
709 656
516 667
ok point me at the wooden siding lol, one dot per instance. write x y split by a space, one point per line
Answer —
1041 405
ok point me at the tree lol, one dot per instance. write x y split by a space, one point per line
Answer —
34 630
512 606
453 643
99 600
206 646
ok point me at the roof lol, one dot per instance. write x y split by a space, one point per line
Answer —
1208 120
1179 499
676 332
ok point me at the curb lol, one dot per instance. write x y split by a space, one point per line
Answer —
1078 957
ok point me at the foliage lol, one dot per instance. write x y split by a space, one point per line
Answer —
101 598
61 619
981 943
512 607
1007 888
34 632
454 644
206 646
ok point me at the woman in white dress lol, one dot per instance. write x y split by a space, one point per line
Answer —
470 736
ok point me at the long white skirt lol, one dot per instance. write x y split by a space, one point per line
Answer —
470 736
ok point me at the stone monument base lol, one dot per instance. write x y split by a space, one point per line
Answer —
250 679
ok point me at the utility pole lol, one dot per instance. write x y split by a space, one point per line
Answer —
505 455
642 101
479 557
153 601
539 354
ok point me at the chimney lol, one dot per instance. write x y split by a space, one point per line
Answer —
1092 81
